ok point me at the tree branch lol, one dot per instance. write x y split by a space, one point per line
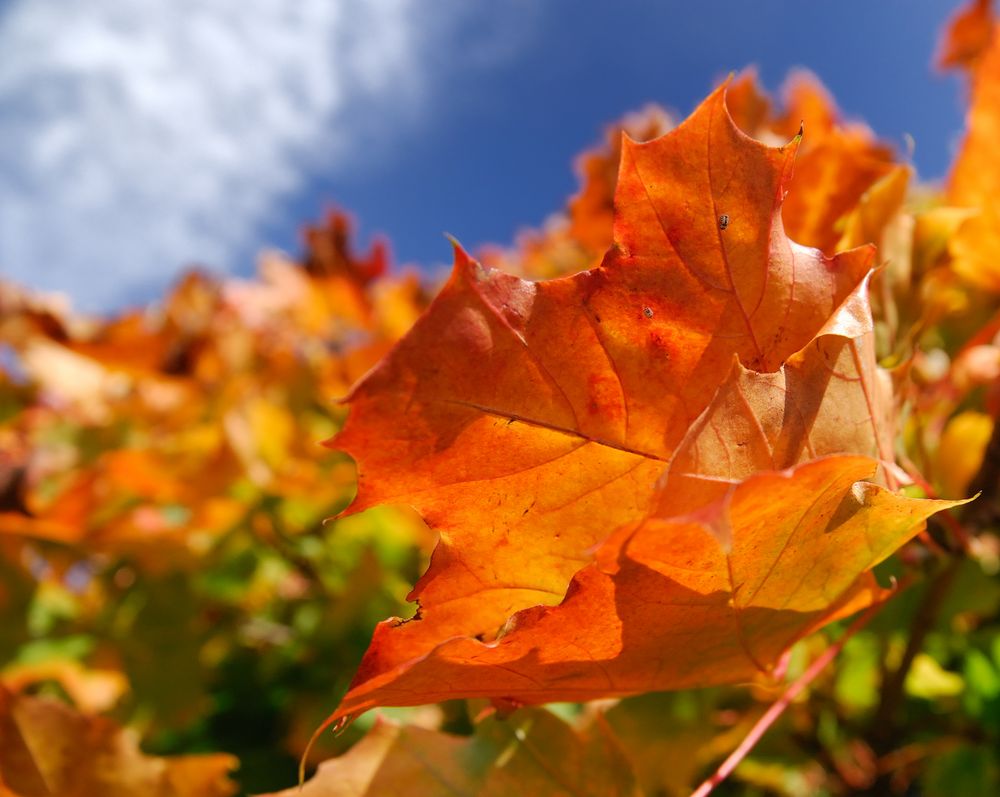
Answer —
769 717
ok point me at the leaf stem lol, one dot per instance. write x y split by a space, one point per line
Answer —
769 717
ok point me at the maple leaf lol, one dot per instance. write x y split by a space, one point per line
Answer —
531 753
533 408
49 750
527 422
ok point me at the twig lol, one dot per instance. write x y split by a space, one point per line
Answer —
769 717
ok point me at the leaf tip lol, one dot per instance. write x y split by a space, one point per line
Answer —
464 263
460 254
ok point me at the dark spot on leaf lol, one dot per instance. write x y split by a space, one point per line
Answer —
661 343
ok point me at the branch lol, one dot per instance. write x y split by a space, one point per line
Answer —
778 707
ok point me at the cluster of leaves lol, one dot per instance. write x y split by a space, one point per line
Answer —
641 457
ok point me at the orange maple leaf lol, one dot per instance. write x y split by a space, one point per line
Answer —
529 422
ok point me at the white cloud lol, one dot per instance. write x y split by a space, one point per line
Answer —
137 137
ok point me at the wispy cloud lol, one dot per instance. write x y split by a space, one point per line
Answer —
138 137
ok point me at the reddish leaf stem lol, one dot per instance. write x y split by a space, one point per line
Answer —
778 707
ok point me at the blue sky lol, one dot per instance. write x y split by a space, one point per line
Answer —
139 138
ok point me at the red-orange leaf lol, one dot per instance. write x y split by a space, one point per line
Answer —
529 422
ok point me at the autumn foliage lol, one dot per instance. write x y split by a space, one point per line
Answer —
640 414
645 464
